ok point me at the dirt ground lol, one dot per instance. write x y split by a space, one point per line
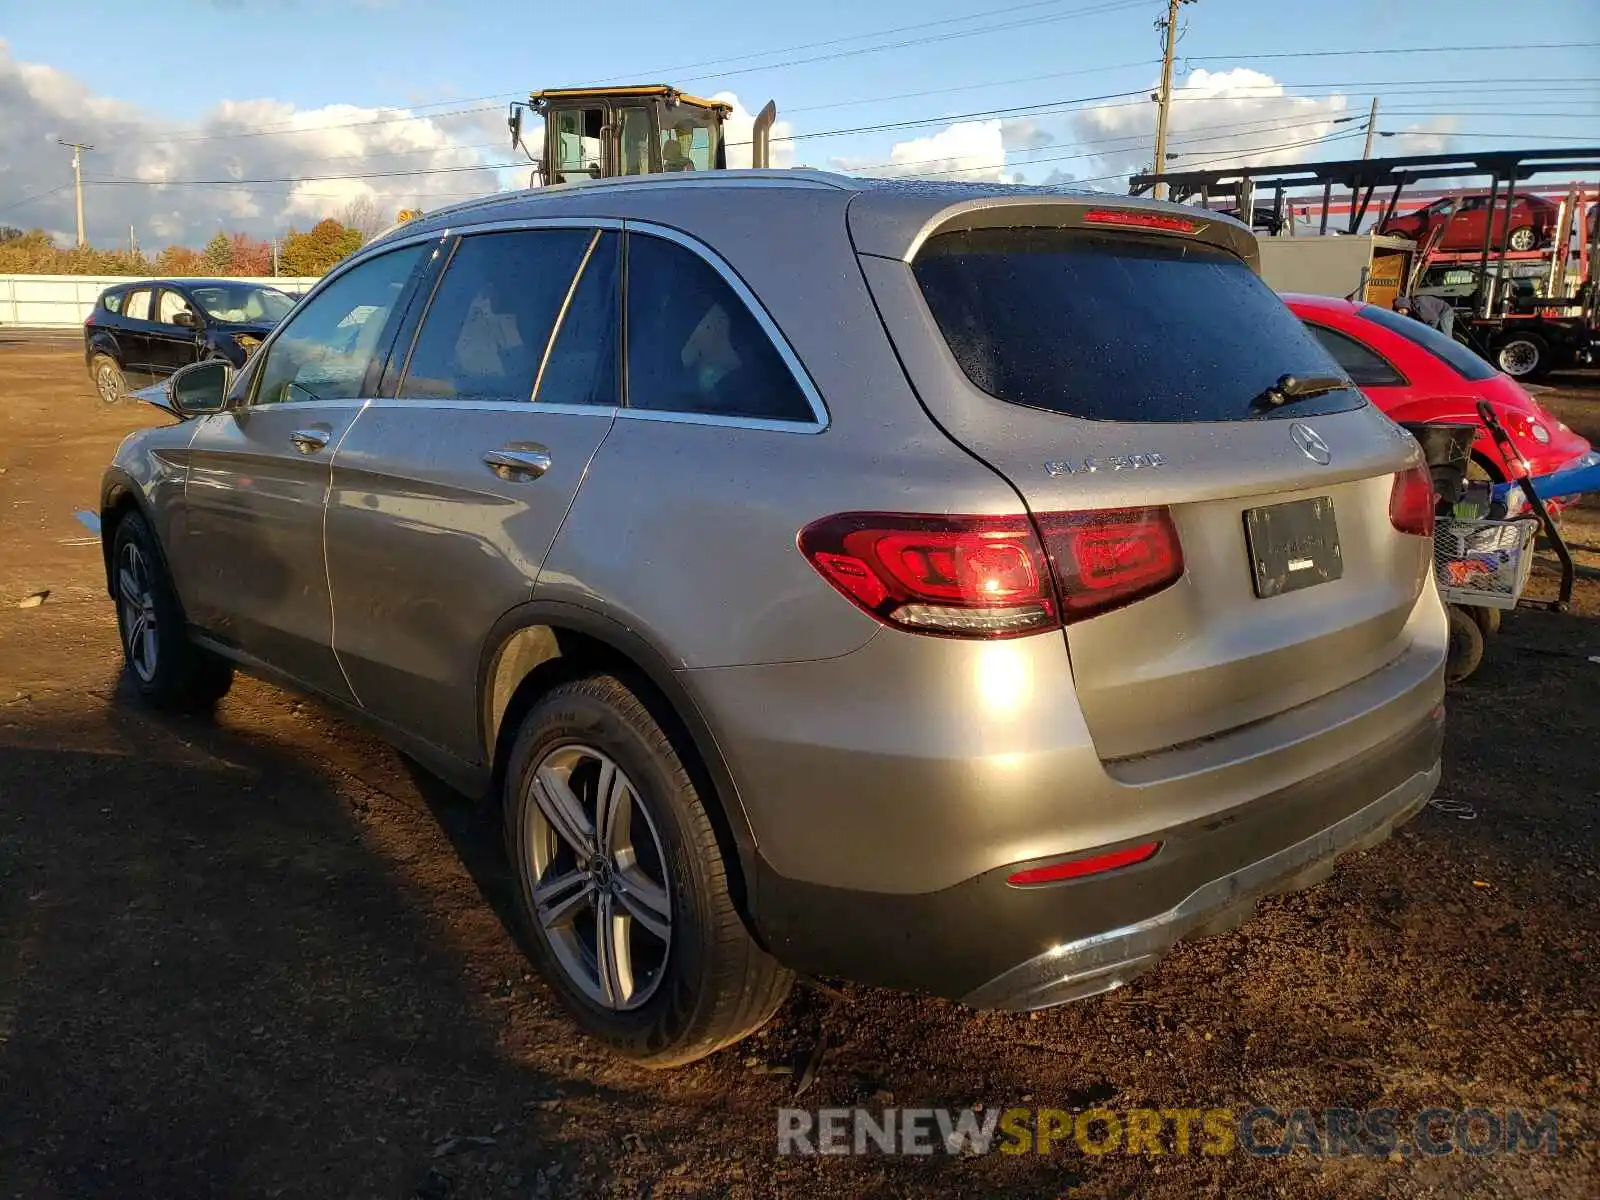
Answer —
259 956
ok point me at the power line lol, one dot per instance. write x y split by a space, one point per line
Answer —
1367 53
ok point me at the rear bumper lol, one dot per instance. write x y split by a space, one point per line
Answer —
992 945
1091 965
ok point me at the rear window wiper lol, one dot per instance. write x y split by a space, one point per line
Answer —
1290 388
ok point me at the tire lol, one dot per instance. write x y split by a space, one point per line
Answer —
109 382
1522 238
166 669
1522 355
1466 645
1488 620
694 980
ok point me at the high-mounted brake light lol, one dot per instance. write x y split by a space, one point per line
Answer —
1411 501
994 577
1077 868
1141 220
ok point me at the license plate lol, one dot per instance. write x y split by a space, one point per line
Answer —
1292 546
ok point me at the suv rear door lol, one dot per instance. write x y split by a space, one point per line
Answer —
1105 356
450 488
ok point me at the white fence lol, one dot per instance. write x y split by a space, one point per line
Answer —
64 301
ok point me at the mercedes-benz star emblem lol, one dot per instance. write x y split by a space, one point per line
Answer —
1311 445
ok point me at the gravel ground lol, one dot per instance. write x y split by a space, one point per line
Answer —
258 955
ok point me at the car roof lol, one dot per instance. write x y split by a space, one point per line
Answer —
1327 304
185 281
888 217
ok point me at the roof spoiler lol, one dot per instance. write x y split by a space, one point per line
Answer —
761 136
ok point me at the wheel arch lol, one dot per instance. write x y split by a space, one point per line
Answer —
104 341
119 496
541 644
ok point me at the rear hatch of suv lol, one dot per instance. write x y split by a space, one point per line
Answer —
1227 543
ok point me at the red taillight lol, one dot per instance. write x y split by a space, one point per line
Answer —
1411 502
1140 220
1077 868
959 576
89 320
993 577
1103 560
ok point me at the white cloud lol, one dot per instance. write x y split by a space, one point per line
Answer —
1219 119
42 104
973 151
1234 118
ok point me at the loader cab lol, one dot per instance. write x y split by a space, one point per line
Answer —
603 133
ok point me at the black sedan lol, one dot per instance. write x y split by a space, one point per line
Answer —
143 331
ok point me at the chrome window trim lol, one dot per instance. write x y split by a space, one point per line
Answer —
819 411
339 271
596 224
521 406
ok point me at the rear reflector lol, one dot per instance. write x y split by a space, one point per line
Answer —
1077 868
1411 502
1165 222
994 577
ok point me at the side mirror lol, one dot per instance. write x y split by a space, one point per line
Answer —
200 388
184 318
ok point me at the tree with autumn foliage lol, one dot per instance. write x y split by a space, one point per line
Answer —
179 261
319 249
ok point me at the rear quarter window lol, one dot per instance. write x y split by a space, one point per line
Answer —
111 302
1447 350
1117 327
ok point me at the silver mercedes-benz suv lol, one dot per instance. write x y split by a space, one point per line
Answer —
958 588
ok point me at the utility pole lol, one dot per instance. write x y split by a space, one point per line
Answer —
1169 26
274 256
77 149
133 242
1372 129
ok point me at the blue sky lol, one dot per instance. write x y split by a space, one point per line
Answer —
180 70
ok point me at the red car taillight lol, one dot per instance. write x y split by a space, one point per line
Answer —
993 577
1411 502
1103 560
1077 868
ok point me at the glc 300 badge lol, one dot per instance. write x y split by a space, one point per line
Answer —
1110 462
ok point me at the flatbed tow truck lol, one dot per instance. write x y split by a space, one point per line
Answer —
1524 336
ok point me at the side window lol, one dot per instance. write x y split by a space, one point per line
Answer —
635 141
484 335
325 350
581 367
169 306
578 142
138 306
693 345
111 302
1365 368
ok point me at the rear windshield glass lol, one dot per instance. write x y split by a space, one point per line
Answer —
1117 327
1448 351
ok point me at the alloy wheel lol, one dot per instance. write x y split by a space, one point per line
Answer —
598 876
136 606
1521 239
106 383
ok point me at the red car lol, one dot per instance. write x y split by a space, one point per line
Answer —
1533 222
1414 373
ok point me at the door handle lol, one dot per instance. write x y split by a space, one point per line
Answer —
516 463
309 441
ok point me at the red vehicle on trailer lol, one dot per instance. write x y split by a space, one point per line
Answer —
1415 374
